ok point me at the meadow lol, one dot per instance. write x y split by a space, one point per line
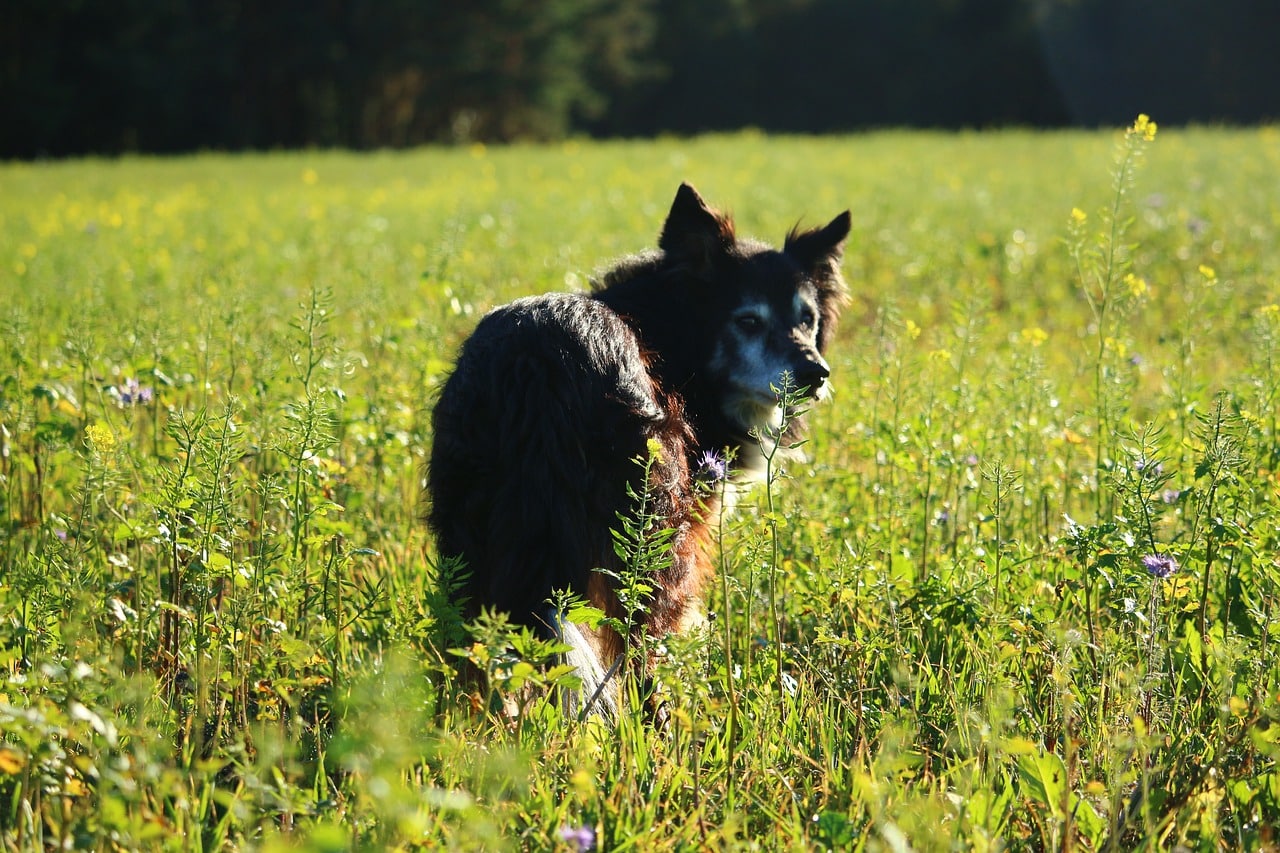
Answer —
1020 594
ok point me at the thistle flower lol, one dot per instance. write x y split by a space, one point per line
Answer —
578 837
133 393
1160 565
713 466
1148 467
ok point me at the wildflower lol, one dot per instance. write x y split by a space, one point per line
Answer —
101 438
578 837
1148 467
1137 286
1170 496
1210 275
133 393
1160 565
713 465
654 448
913 330
1078 216
1144 127
1034 336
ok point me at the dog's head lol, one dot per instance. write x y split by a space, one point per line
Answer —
775 310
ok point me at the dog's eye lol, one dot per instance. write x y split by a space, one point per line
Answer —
749 323
807 319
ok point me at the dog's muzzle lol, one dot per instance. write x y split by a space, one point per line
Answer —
812 374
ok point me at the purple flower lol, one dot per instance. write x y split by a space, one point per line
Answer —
971 460
133 393
1148 467
1160 565
714 466
1170 496
578 837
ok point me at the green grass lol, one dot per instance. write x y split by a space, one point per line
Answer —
221 624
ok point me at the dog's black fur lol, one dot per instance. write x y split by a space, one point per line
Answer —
555 397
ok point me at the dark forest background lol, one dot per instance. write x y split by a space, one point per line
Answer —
92 76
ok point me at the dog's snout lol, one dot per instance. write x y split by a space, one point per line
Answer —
812 374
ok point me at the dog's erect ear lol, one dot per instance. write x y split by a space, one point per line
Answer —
820 249
818 252
693 231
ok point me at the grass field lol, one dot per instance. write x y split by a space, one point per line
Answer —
221 624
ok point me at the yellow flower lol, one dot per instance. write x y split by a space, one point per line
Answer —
1269 310
1210 275
655 450
101 439
940 355
913 331
1144 127
1137 286
1079 216
1034 336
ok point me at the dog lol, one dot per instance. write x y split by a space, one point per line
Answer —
555 401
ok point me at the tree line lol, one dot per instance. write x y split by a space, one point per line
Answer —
92 76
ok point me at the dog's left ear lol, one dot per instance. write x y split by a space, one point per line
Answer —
819 250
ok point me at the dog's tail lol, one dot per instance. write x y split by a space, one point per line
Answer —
599 691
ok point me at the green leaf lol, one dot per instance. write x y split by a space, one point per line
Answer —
1044 780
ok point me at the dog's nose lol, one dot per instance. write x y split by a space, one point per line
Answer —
812 374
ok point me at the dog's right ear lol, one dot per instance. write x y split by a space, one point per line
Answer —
694 232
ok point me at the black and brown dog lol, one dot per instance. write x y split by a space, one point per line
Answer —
554 398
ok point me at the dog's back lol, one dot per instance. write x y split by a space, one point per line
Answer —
536 433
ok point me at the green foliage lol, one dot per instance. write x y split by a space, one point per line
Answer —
222 624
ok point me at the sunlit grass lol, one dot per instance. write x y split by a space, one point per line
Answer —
221 623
